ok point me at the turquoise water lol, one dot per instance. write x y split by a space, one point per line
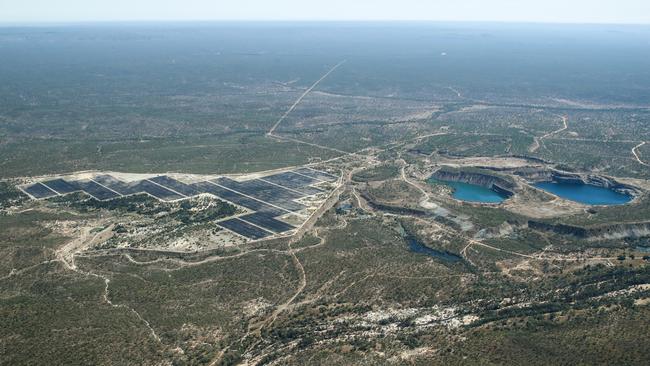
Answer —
585 193
473 193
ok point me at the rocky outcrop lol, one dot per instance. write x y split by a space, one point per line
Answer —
530 158
534 174
499 185
397 210
561 229
599 232
611 184
505 229
502 191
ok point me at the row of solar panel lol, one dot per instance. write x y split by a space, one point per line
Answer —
106 187
101 188
326 177
264 217
59 186
238 198
264 191
270 197
147 186
256 225
279 189
245 229
267 221
296 185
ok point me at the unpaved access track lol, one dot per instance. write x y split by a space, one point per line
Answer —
539 140
295 104
635 152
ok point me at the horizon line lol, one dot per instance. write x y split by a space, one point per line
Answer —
36 23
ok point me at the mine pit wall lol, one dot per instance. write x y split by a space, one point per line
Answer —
497 184
395 209
601 232
547 175
502 191
405 211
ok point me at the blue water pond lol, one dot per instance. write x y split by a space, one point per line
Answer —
585 193
472 192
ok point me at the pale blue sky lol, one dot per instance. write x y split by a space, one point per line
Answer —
563 11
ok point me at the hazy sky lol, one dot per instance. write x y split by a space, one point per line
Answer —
572 11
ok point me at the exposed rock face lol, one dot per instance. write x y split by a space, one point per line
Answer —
531 158
561 229
497 184
394 209
502 191
505 229
549 175
443 219
614 231
611 184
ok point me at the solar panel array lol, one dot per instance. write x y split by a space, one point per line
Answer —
269 197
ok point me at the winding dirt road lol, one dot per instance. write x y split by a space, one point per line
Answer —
635 152
538 141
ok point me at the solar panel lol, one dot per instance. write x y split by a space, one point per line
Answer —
317 174
236 198
38 190
61 186
267 221
175 185
96 190
243 228
157 191
264 191
291 180
273 192
268 198
118 186
302 190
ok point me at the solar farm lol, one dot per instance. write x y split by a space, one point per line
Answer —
264 200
